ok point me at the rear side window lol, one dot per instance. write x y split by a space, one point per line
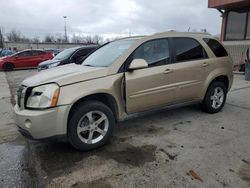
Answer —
38 53
188 49
155 52
216 47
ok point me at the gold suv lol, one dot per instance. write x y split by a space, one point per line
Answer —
126 76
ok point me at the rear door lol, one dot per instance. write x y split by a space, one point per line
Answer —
152 86
37 57
190 70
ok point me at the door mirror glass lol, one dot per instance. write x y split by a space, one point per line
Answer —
138 64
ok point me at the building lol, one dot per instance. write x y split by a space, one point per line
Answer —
235 27
18 46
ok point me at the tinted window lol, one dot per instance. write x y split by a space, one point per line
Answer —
38 53
82 52
188 49
236 22
155 52
216 47
25 53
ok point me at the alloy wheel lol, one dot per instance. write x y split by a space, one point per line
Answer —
217 97
92 127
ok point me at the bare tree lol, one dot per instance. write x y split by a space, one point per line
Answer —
14 36
97 39
77 39
36 40
88 39
49 38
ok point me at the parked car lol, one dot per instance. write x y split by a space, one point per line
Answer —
5 52
126 76
70 55
24 59
54 51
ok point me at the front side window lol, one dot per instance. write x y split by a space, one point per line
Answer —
216 47
155 52
25 54
188 49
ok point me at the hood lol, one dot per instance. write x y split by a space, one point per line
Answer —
66 74
48 62
5 57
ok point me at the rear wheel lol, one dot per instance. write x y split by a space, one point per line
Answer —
215 97
8 66
90 125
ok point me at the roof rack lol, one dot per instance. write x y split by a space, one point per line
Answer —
178 32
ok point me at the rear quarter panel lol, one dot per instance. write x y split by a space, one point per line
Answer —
218 67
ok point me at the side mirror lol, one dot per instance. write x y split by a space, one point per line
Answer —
138 64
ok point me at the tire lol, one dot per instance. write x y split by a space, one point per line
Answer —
215 97
90 119
8 66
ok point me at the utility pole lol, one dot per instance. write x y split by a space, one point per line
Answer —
65 29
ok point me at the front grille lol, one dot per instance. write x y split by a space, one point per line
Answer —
20 95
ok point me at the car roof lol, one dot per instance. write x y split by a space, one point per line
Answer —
81 47
169 34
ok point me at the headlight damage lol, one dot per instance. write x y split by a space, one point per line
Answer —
43 96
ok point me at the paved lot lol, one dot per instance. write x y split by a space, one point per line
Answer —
178 147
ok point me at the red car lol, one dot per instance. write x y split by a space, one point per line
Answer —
24 59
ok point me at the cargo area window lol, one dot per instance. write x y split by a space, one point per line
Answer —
216 47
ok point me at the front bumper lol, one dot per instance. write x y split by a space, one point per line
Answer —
41 124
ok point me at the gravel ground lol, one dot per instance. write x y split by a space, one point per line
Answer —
172 147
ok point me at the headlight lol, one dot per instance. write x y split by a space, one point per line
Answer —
53 64
43 96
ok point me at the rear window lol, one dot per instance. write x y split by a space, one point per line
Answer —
216 47
188 49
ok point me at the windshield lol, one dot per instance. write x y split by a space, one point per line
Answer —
106 55
65 54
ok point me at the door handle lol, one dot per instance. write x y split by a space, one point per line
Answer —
167 71
205 64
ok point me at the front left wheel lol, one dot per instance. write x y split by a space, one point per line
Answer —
90 125
8 66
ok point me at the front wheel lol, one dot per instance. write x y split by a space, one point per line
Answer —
90 125
215 98
8 66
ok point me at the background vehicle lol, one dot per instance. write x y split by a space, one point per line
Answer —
5 52
54 51
123 77
24 59
70 55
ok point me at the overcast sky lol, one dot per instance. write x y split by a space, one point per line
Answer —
107 17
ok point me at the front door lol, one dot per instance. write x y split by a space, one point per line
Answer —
152 86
